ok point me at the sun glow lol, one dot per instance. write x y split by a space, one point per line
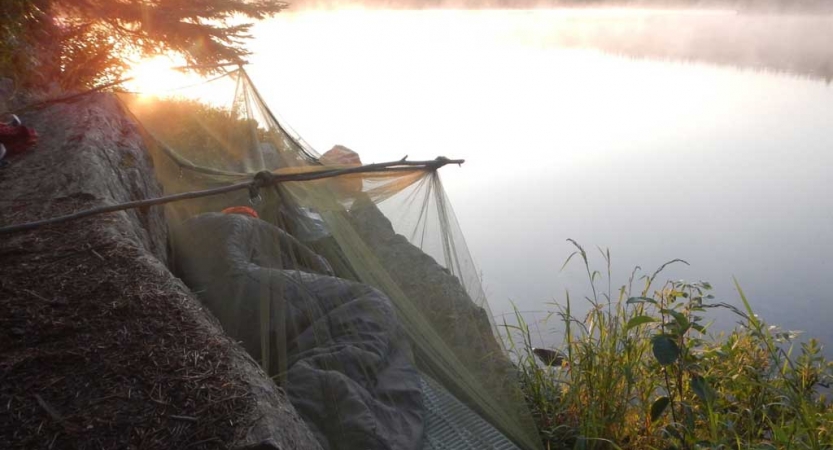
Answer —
158 76
475 71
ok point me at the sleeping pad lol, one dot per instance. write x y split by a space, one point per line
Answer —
349 370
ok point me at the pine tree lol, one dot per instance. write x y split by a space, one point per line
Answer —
83 42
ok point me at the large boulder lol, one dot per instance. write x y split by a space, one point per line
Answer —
439 296
437 293
100 346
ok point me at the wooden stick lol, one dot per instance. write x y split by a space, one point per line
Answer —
261 179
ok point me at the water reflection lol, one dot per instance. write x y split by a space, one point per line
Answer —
727 169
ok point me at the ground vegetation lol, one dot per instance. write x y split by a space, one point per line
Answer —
642 370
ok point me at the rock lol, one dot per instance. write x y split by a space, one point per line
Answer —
441 298
95 323
6 87
263 445
89 154
6 91
438 293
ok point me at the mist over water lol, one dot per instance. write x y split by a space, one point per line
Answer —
657 151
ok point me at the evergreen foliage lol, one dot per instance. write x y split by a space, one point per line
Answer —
83 42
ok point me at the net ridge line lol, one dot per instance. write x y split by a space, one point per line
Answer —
306 149
259 180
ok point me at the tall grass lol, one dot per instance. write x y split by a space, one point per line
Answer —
642 371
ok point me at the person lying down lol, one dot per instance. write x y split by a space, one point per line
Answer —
349 371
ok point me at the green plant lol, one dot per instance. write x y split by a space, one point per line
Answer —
642 370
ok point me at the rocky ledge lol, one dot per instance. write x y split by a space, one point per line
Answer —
100 346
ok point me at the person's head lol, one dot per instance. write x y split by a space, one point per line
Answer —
342 156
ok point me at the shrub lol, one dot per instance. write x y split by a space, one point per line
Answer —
642 371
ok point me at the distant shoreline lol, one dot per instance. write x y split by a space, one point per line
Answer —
741 7
796 44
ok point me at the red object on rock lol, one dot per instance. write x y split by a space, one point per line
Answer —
17 138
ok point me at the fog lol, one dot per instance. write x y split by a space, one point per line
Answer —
794 42
704 136
744 6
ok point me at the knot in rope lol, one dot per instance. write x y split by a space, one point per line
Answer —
438 162
261 179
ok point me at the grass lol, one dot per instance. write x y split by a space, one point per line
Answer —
642 371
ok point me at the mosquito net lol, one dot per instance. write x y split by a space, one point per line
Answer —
355 292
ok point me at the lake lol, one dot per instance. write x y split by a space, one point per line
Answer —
656 134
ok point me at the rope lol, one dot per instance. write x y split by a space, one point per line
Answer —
186 68
260 180
68 98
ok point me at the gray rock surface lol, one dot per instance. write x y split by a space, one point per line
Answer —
6 91
438 293
92 320
441 298
90 154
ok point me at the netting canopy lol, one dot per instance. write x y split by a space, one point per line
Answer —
355 292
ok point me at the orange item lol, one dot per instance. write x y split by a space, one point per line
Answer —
245 210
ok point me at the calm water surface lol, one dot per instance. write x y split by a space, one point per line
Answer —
727 168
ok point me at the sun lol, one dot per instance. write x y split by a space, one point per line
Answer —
157 76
